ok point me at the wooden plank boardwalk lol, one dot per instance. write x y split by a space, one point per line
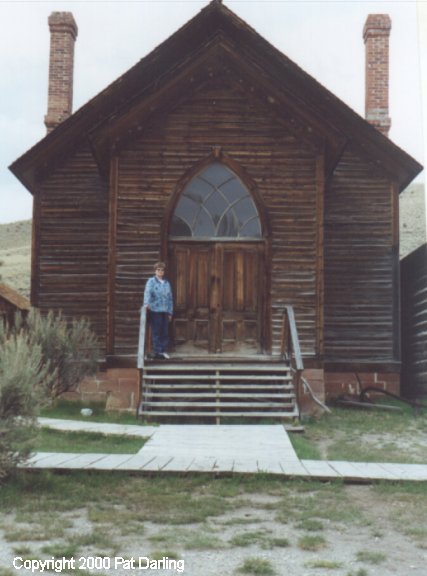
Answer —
223 449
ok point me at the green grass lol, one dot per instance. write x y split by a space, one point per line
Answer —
172 500
418 534
406 505
312 543
241 521
49 440
188 513
404 489
22 550
309 504
310 525
38 528
160 554
201 540
344 430
30 534
304 447
68 410
368 557
29 492
66 550
248 538
277 543
127 522
325 564
97 538
256 566
364 436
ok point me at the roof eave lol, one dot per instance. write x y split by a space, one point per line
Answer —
211 19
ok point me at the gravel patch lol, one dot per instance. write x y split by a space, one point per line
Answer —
372 534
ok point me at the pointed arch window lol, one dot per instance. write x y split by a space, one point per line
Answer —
216 204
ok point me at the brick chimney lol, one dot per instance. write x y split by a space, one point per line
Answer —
63 33
376 35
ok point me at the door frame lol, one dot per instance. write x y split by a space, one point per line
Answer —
215 344
219 155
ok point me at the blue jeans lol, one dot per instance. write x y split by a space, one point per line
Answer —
159 322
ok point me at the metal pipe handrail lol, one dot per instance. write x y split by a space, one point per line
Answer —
313 396
290 343
142 338
293 343
290 348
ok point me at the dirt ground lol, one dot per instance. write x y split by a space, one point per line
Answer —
217 526
408 448
298 528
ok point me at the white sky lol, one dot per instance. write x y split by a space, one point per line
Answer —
323 37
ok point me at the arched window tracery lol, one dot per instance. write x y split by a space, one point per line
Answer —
216 204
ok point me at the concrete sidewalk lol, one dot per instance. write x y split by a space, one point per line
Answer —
222 449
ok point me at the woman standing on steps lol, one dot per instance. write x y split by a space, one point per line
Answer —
159 303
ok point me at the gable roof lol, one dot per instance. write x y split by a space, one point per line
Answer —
14 298
215 33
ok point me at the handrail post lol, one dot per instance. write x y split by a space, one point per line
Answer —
298 391
141 352
290 338
293 341
285 343
284 337
142 337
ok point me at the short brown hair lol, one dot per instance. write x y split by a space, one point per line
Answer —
159 265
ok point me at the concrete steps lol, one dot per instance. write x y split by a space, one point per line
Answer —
214 391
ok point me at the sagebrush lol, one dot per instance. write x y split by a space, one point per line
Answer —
68 347
23 379
41 357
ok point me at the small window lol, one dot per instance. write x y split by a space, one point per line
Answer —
215 204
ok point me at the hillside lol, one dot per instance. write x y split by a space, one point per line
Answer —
15 239
15 255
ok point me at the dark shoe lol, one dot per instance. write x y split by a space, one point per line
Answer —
151 356
159 356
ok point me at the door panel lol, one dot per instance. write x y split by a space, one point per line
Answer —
190 275
218 296
242 298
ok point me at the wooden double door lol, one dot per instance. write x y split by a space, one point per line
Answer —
219 296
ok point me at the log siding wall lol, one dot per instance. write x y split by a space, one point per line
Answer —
283 170
93 263
359 265
73 242
414 322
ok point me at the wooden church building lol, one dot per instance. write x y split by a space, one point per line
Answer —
258 187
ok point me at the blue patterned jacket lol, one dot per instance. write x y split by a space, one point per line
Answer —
158 296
